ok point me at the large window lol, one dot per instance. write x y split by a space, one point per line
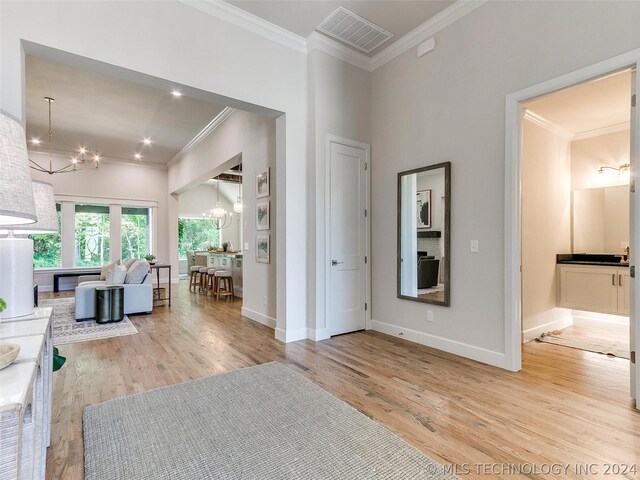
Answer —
47 250
92 235
196 234
135 232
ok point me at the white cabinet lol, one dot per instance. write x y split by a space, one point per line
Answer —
594 288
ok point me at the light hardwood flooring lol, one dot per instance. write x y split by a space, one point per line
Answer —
566 406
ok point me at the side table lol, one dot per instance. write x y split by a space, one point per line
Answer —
109 304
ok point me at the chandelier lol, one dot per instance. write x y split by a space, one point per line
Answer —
237 206
220 217
80 159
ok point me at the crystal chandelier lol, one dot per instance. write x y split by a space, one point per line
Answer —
237 206
221 219
81 159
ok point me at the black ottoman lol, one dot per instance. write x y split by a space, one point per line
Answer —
109 304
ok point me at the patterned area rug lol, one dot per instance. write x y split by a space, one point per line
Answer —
262 422
67 330
597 345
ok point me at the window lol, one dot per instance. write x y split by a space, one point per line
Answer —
196 234
135 232
47 250
92 235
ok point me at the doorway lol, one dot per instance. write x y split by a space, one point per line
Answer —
347 235
514 201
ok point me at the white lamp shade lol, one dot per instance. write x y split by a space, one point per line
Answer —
45 211
16 194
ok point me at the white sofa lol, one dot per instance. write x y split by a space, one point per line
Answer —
138 298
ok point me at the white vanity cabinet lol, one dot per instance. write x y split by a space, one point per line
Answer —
593 288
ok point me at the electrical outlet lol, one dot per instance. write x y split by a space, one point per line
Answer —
429 315
474 246
264 301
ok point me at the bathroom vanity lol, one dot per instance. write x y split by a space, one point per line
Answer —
593 282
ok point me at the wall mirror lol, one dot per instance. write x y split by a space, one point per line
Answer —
424 214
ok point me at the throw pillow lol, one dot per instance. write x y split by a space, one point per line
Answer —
137 272
116 275
129 262
106 268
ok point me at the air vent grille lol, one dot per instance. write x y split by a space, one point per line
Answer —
354 30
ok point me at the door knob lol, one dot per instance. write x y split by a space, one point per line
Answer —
335 262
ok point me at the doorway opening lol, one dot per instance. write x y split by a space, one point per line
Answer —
575 171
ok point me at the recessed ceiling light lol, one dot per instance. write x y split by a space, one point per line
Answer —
82 150
35 141
137 156
146 141
176 93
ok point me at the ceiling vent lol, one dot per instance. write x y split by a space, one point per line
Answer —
354 30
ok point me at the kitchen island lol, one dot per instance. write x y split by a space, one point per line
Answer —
227 261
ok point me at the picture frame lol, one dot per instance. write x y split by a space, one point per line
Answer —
423 209
263 248
262 215
263 186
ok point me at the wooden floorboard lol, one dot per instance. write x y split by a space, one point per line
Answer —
565 407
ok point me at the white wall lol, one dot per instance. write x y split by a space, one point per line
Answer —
253 137
171 40
546 226
339 104
450 105
112 181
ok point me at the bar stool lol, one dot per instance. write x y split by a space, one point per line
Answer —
224 284
211 280
194 278
204 278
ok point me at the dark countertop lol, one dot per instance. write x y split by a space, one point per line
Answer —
598 259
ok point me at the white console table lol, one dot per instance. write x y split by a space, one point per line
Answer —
25 396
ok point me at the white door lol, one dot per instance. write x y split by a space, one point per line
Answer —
634 242
347 239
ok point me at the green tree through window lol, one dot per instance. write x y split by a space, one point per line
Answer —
92 235
47 251
135 232
196 234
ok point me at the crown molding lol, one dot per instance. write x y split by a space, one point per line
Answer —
548 125
210 127
424 31
317 41
247 21
596 132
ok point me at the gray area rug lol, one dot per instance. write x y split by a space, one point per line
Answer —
606 347
262 422
67 330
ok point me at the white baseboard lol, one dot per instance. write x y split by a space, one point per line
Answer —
47 288
483 355
613 323
291 335
317 335
258 317
535 332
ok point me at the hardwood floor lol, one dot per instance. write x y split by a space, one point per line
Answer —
566 406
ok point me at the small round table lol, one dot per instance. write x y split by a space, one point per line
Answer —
109 304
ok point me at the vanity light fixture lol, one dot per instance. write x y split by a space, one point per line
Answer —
624 168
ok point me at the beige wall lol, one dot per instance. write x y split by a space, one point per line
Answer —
546 224
588 155
450 105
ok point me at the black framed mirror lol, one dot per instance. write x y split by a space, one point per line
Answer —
424 232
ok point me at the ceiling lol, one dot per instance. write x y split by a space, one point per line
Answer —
110 115
302 17
602 103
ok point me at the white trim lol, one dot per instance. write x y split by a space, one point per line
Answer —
258 317
290 335
512 218
535 332
318 334
317 41
329 139
247 21
613 323
596 132
211 126
422 32
489 357
548 125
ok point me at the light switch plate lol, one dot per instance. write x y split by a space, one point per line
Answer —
246 246
474 246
